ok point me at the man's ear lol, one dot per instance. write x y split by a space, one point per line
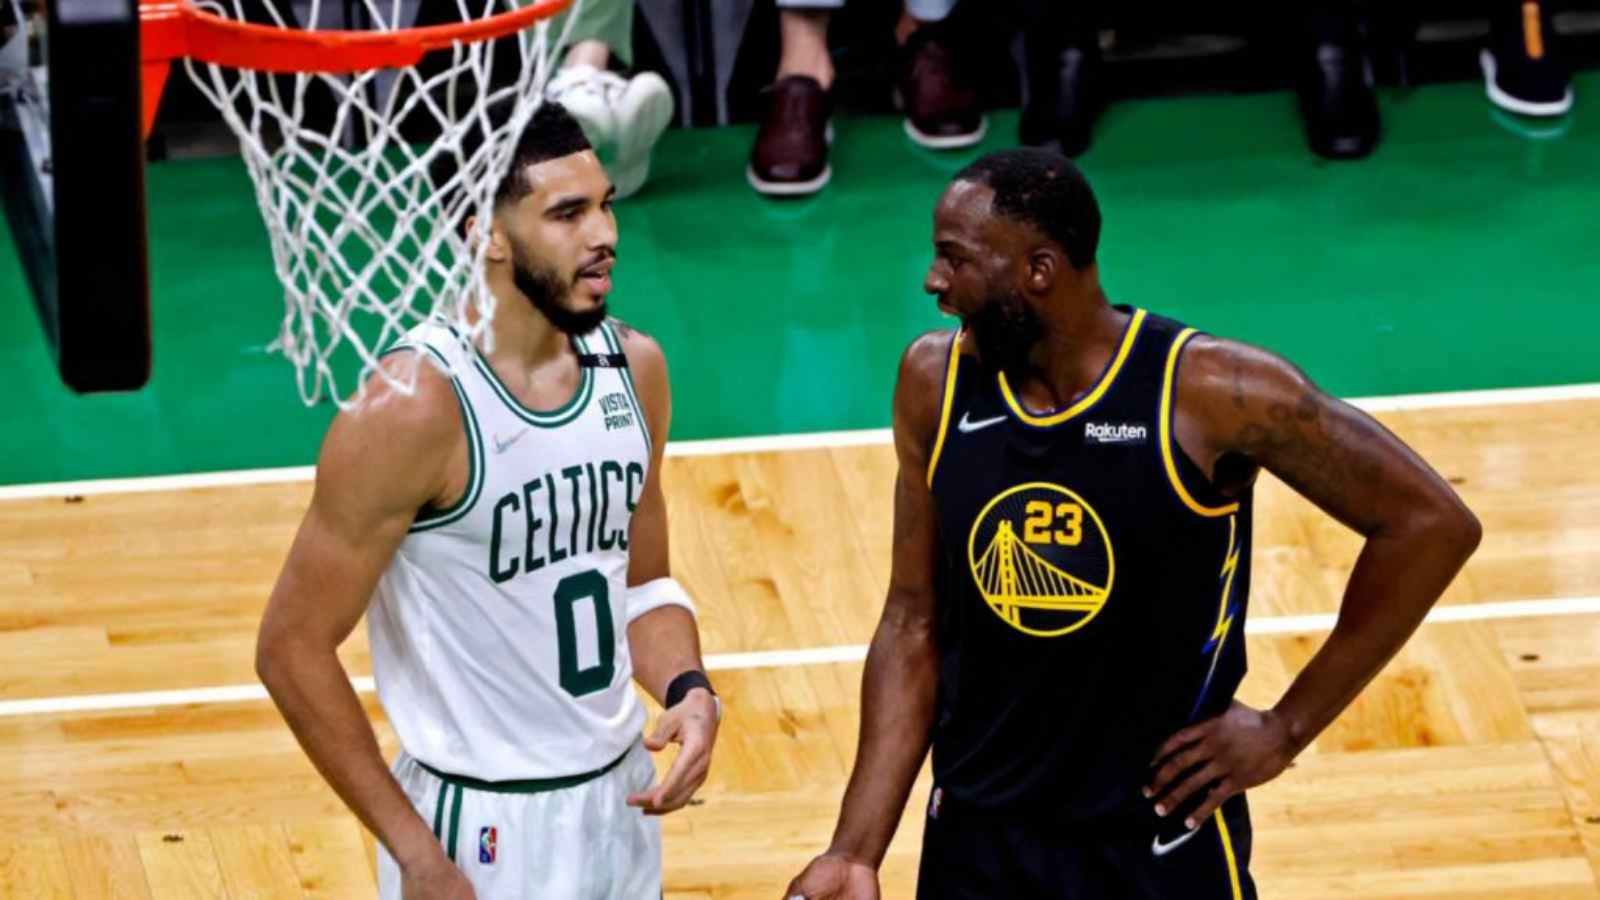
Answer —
1044 270
499 247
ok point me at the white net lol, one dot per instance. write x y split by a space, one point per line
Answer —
366 180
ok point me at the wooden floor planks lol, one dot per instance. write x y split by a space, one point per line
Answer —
1469 769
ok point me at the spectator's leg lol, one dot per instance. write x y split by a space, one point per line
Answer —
804 34
1523 70
622 117
1063 72
790 156
909 22
594 54
937 89
1338 97
603 30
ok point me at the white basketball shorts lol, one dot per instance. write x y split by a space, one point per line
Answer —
552 839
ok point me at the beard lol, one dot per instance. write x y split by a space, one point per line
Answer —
1005 330
545 290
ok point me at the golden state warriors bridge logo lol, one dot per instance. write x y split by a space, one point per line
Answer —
1041 558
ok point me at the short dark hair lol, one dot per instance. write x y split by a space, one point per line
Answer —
1045 190
551 134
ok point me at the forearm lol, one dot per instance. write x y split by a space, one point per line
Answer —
663 643
897 708
1396 580
313 692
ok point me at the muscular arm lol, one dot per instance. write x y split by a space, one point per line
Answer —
1239 408
1418 532
898 686
664 642
378 465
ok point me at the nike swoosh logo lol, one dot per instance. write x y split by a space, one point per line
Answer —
966 426
500 446
1159 849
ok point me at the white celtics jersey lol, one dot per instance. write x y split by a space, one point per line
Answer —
499 631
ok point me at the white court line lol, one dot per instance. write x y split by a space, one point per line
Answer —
812 440
152 483
1490 397
1459 612
808 441
783 659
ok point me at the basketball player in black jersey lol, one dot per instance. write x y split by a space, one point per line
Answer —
1065 617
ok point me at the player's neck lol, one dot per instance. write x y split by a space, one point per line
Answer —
523 336
1081 336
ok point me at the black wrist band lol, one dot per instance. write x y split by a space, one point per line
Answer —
686 682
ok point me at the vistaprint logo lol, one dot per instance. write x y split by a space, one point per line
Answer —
1114 433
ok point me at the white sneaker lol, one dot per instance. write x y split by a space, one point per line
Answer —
587 93
642 111
622 117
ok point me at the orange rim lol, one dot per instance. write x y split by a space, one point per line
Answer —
171 29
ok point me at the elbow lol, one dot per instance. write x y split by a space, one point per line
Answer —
1469 532
271 659
1456 527
266 660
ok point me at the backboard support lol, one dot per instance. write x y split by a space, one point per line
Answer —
72 177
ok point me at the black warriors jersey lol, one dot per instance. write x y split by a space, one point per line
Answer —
1092 586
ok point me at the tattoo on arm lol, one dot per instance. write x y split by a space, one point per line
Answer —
1313 445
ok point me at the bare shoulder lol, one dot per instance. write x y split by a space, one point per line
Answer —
919 390
429 411
643 351
648 364
1258 405
925 359
1255 403
390 442
1222 373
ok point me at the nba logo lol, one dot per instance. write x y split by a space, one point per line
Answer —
934 801
486 843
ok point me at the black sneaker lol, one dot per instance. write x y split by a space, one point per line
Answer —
1522 72
1338 101
1065 94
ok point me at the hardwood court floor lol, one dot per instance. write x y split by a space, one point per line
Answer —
1469 769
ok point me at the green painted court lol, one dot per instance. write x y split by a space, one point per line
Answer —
1461 256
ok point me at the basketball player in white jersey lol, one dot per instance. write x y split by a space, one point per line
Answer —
504 530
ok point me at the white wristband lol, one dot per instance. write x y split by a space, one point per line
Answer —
655 594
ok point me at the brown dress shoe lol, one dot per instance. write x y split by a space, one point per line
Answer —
790 156
942 107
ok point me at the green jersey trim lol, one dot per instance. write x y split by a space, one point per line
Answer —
553 418
455 823
475 461
438 811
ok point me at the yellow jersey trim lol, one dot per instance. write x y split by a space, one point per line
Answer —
949 400
1230 568
1233 861
1088 399
1167 457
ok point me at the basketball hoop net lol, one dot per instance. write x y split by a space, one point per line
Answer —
369 145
